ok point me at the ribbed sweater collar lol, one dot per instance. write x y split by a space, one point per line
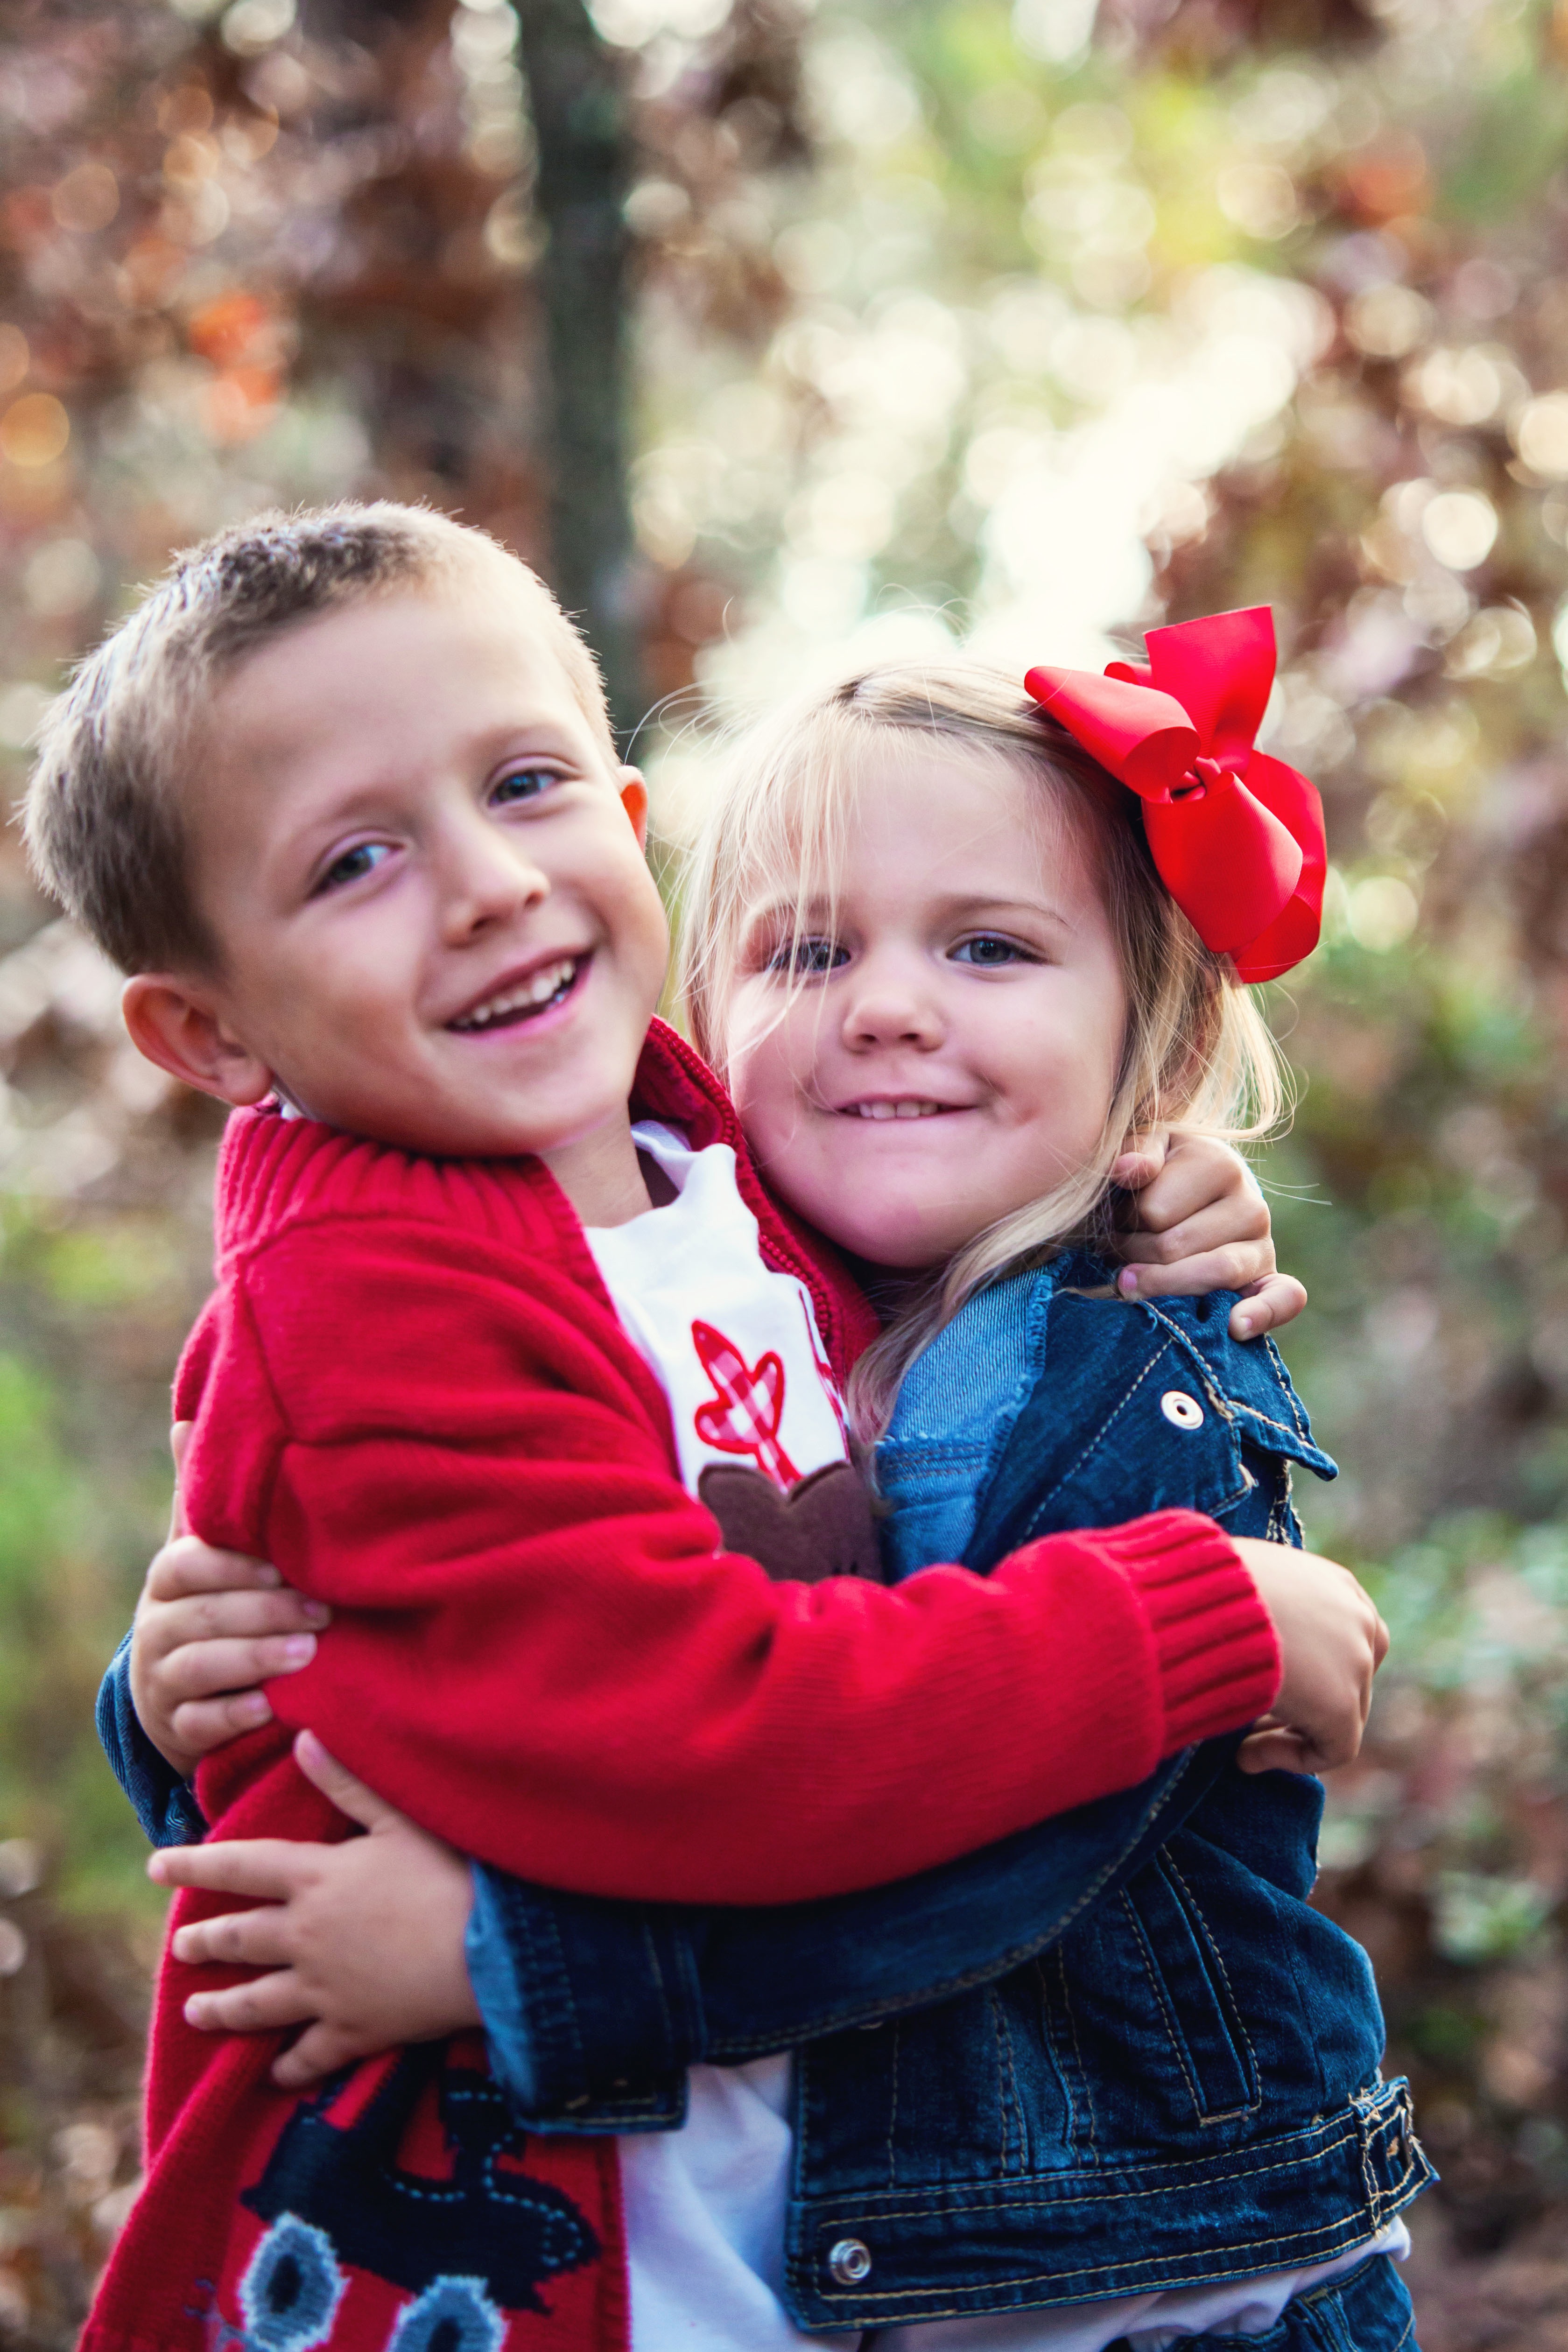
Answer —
274 1172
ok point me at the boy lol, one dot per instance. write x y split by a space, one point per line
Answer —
340 797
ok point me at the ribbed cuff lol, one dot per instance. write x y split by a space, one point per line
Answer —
1215 1644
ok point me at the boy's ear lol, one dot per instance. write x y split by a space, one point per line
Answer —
634 800
171 1024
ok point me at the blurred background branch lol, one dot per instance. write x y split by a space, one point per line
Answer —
778 334
580 106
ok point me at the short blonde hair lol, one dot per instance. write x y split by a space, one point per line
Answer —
105 821
1196 1054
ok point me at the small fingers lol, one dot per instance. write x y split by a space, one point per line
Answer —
1139 1164
231 1614
320 2050
1199 1175
269 1867
334 1780
1242 1223
251 1939
201 1725
1233 1266
204 1668
187 1565
179 1446
1274 1750
1267 1306
261 2006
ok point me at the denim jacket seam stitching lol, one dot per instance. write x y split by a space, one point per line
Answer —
1084 2084
689 1978
1206 2115
1282 1374
1281 1513
1163 2002
566 2009
1049 2028
1327 2288
1283 2238
1369 2122
893 2109
650 1943
1255 1412
1224 1405
1253 2103
1049 2039
1042 1508
1228 1502
1231 1406
1345 2132
1036 1321
1012 2105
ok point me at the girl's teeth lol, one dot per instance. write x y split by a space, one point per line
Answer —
897 1110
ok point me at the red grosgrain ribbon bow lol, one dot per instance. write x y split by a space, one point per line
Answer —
1237 837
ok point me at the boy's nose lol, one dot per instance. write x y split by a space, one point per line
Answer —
487 877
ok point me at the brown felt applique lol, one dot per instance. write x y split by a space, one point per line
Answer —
822 1527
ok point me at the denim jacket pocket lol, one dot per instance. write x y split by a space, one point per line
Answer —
1209 2042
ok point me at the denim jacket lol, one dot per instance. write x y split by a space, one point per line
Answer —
1113 2054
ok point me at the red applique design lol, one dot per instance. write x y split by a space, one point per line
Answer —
744 1415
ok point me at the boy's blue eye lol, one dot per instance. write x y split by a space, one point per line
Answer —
989 952
523 784
354 863
807 959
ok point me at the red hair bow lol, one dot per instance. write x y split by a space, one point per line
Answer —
1237 837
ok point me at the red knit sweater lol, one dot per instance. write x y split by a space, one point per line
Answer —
411 1391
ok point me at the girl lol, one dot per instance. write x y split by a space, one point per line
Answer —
1125 2084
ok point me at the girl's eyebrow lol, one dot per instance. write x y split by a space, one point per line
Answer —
786 910
972 904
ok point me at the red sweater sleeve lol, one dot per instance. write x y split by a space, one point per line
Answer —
539 1654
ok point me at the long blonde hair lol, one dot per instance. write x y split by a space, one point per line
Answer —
1197 1054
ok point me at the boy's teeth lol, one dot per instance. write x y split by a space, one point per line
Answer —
538 990
910 1109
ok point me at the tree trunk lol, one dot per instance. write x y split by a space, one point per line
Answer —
580 124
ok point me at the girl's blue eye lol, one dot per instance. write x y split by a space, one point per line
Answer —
354 864
989 952
806 958
523 784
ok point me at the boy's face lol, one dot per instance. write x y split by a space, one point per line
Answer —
427 879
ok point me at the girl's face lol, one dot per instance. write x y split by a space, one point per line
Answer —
951 1050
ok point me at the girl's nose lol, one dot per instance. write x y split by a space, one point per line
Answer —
486 878
892 1008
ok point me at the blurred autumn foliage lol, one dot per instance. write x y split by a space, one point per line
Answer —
766 330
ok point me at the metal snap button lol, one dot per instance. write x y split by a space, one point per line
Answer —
1185 1411
850 2261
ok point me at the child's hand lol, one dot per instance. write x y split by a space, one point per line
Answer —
363 1942
1332 1641
210 1626
1202 1224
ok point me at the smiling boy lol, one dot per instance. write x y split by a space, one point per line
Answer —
341 798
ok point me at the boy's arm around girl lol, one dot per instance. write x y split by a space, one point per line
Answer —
525 1683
